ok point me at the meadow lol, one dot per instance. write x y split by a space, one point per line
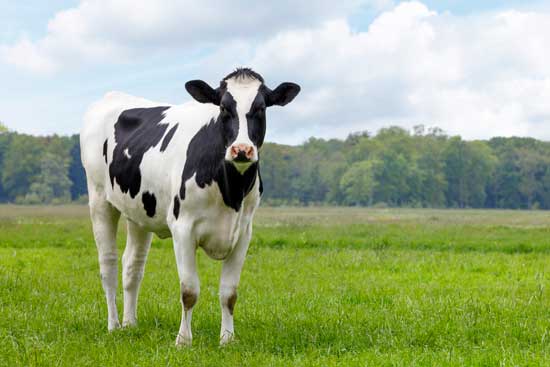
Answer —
320 287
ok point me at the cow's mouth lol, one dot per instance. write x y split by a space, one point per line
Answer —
241 164
242 158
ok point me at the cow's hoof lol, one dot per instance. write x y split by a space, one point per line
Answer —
113 325
182 341
226 338
129 323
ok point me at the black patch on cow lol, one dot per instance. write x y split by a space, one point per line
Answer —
255 120
205 160
168 137
105 150
229 119
176 207
149 203
137 130
231 300
188 297
260 178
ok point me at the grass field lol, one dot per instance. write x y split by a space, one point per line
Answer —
320 287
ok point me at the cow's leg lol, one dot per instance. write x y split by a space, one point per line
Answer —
231 274
133 263
104 222
184 249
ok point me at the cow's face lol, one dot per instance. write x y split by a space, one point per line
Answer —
243 99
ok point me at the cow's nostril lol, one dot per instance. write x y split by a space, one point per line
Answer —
249 152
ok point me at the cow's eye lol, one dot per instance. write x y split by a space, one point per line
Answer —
223 109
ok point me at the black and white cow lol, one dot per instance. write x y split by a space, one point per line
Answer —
188 171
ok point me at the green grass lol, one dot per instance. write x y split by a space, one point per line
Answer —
321 286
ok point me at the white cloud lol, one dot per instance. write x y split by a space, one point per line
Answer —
27 56
117 30
478 76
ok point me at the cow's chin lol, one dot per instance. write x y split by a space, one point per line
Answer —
242 167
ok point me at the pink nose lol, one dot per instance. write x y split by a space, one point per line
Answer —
242 151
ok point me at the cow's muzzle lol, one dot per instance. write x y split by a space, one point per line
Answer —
242 153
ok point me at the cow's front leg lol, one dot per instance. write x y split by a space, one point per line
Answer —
231 274
104 221
184 248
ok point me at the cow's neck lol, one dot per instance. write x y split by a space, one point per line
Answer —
234 186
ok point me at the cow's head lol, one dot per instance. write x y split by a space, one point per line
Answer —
243 98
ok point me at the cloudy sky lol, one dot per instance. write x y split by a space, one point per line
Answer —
474 68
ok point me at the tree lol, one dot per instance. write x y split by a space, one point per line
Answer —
431 170
52 185
21 164
533 169
468 168
76 171
4 143
358 183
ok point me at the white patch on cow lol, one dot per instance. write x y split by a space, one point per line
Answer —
244 91
127 153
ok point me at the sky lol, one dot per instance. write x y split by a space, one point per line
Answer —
478 69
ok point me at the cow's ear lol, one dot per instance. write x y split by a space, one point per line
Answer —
202 92
283 94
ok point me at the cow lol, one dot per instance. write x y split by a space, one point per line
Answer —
190 172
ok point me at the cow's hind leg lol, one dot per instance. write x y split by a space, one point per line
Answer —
133 264
231 274
104 222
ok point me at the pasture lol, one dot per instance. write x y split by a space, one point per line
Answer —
320 287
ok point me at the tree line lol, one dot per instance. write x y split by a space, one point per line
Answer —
395 167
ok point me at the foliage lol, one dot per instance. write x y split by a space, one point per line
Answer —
3 128
21 164
76 171
52 185
395 167
358 183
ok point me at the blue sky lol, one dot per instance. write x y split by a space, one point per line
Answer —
474 68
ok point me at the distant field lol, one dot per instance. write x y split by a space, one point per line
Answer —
321 286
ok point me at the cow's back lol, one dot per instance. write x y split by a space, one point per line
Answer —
98 126
134 150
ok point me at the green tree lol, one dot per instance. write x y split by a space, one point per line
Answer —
533 169
77 175
358 183
5 139
52 185
396 176
276 168
3 128
431 170
21 164
468 169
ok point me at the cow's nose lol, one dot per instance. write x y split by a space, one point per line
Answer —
242 152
